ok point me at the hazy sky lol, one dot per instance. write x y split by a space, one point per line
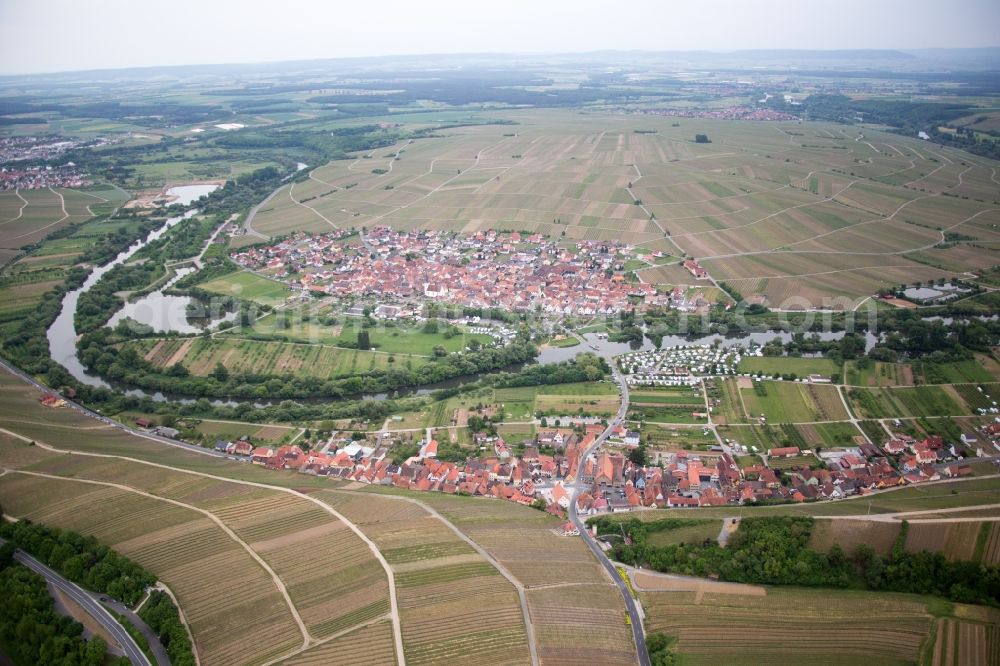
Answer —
59 35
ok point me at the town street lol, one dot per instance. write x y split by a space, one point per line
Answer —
630 605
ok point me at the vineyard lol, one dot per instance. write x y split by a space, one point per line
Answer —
368 646
849 534
794 402
580 624
200 357
452 602
525 541
962 643
223 594
790 626
956 541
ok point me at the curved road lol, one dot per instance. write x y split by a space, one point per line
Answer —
109 422
90 604
630 606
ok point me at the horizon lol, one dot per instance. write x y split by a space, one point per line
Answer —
228 33
503 54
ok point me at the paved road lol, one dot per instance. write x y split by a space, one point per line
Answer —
114 424
630 606
90 604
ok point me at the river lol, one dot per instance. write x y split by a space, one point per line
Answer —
62 333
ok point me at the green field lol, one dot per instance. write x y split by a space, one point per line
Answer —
784 365
793 402
905 402
248 286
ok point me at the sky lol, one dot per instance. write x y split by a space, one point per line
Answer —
64 35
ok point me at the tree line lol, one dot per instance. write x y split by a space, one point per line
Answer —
774 551
32 632
94 566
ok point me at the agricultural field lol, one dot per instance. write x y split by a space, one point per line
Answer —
827 435
527 544
672 438
750 190
200 356
958 372
968 541
165 539
793 402
583 402
826 625
248 287
906 402
877 373
965 642
43 264
668 404
379 649
28 216
786 365
452 601
732 407
395 339
849 534
279 527
696 532
980 396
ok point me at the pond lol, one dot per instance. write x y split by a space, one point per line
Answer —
188 194
167 313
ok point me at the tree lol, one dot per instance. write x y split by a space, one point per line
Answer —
702 138
221 372
364 340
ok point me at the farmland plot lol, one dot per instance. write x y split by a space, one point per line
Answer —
967 643
581 624
526 543
237 590
452 602
826 625
790 402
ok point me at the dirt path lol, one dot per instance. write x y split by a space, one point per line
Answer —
183 618
393 604
530 630
17 193
299 203
51 224
652 581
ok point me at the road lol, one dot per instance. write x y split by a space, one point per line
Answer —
630 606
90 604
113 424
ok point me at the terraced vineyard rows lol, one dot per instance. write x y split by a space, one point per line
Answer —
825 625
367 646
526 542
227 590
453 603
961 643
580 624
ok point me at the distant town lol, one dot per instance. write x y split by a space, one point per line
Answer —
519 273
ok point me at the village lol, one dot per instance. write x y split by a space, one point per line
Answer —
542 470
511 271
